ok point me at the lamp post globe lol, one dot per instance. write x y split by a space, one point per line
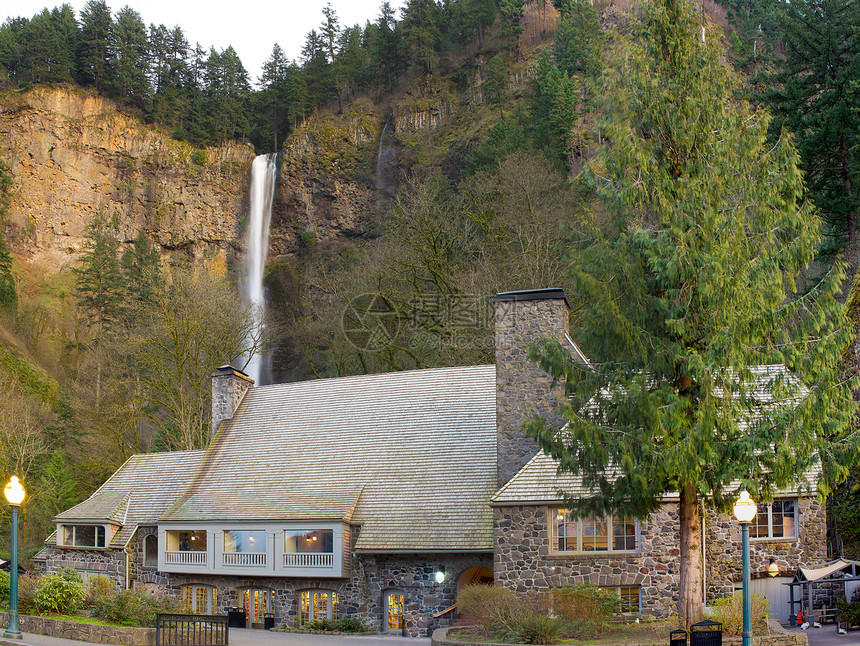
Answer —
745 510
15 495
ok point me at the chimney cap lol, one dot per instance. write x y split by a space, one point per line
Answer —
546 294
222 371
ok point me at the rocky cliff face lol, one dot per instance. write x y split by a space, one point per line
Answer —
73 154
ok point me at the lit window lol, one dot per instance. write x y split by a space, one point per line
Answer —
629 601
186 541
593 533
775 520
200 599
318 604
247 541
309 541
84 535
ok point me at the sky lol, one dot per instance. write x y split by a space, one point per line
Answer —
252 27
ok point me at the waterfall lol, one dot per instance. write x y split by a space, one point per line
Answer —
263 176
385 159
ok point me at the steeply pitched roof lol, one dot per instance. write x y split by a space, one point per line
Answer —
410 456
138 493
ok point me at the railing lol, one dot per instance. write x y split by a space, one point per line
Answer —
191 630
245 559
184 557
295 559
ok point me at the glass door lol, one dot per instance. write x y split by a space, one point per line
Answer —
394 613
256 605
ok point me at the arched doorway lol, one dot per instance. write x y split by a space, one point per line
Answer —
475 575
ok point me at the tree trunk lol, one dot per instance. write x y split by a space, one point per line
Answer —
690 593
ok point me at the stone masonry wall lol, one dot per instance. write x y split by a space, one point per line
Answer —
109 563
724 544
228 389
523 561
521 386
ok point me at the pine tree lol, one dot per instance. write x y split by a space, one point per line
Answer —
95 54
422 32
98 276
692 283
817 97
132 64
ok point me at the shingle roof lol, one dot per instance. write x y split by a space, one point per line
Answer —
138 493
539 481
408 455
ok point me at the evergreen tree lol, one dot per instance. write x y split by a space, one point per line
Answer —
579 40
95 54
132 64
422 32
512 12
141 268
384 46
816 97
711 363
8 295
98 277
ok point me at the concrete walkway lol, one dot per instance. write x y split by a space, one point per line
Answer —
245 637
827 636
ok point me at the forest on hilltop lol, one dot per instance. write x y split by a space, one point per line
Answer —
500 196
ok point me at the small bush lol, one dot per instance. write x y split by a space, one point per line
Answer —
27 586
729 611
849 613
309 238
132 607
482 604
198 157
585 608
349 625
524 625
4 586
61 593
99 587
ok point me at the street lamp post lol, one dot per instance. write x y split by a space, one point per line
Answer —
745 510
14 493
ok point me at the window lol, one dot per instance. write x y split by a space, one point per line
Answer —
248 541
245 548
150 551
775 520
318 604
84 535
309 541
593 534
200 599
628 597
394 619
186 541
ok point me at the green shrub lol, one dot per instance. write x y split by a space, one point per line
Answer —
4 586
585 608
729 611
61 593
320 624
132 607
198 157
482 604
309 238
349 625
848 612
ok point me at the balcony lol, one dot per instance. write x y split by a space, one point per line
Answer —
181 557
298 559
244 559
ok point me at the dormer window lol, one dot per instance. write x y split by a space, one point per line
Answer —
83 535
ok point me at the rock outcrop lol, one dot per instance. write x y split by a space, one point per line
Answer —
73 154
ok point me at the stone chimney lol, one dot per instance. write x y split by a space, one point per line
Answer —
229 386
523 318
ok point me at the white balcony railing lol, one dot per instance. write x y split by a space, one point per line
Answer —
294 559
184 558
245 559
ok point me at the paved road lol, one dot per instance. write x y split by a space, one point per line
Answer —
245 637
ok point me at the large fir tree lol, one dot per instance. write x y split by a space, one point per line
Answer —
692 288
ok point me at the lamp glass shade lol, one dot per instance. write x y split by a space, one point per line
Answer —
14 492
440 577
772 569
745 509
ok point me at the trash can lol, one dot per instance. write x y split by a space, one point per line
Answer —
678 638
706 633
236 618
268 621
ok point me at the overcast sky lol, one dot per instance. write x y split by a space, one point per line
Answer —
252 27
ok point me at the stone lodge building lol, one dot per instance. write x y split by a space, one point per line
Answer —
378 496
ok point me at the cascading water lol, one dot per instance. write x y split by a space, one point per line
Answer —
263 177
385 160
